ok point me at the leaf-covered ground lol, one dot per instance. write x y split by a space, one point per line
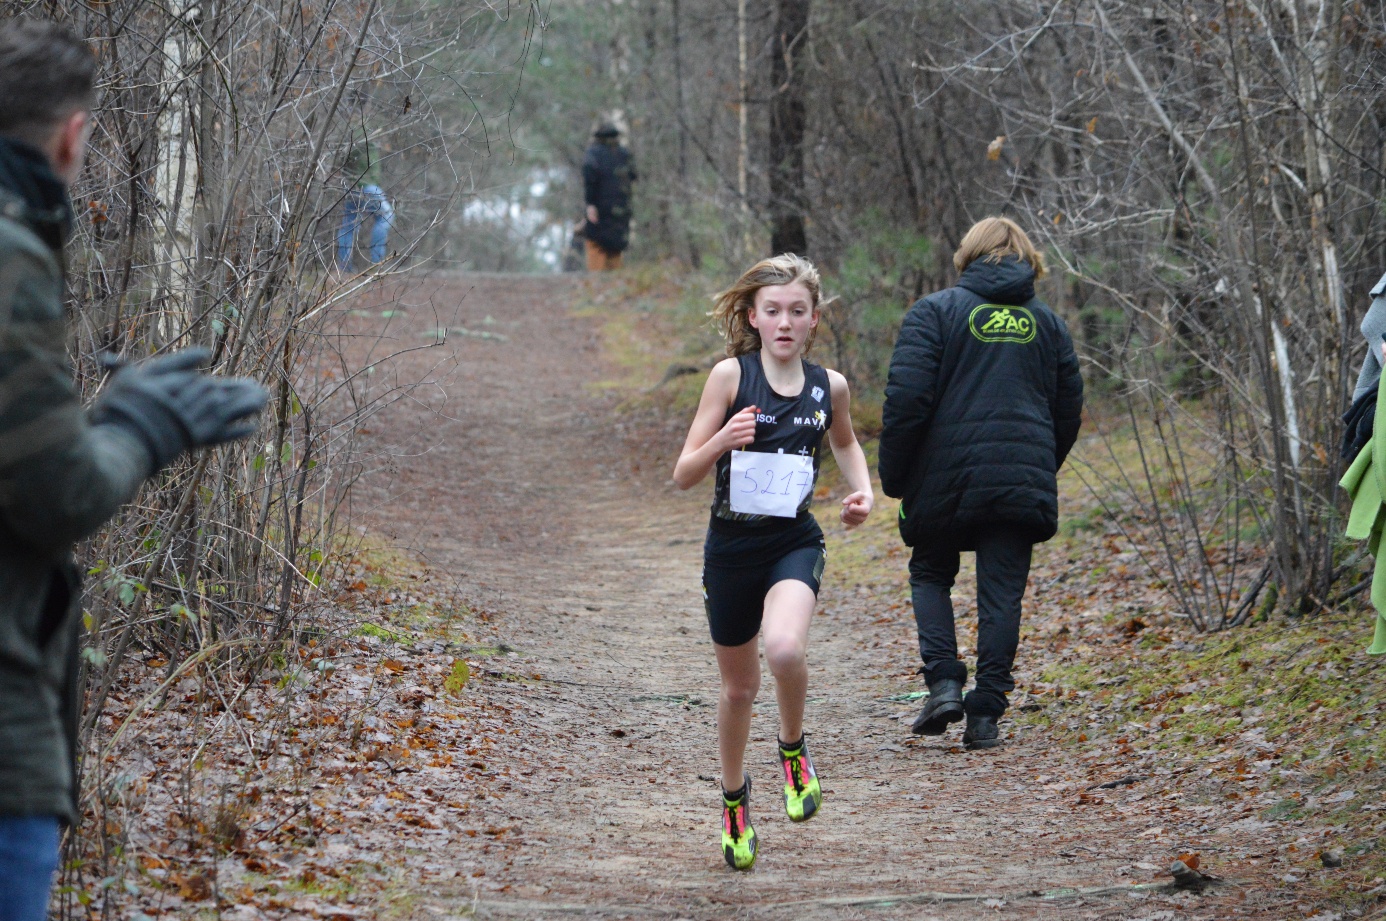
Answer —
507 707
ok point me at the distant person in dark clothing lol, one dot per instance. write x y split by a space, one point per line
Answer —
982 405
64 469
607 174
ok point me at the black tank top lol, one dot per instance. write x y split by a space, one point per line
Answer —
789 425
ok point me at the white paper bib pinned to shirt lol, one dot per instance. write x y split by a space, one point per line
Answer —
769 484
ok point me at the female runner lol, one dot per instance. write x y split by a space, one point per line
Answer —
760 424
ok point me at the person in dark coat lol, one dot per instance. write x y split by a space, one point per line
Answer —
64 469
607 174
982 405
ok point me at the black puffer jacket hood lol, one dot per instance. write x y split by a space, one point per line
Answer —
1008 281
982 406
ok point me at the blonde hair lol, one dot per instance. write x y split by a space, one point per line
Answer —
993 238
731 309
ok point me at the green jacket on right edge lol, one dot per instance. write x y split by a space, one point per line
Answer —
61 477
1365 482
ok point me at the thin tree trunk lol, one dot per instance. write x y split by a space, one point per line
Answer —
787 124
695 257
176 179
744 94
679 106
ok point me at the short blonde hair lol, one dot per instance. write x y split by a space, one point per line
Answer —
993 238
731 309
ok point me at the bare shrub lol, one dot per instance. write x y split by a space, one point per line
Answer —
208 214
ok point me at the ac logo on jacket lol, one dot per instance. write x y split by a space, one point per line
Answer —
997 323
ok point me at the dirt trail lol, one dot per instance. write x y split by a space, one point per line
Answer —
516 480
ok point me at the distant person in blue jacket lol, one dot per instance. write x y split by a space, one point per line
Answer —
364 198
982 405
607 174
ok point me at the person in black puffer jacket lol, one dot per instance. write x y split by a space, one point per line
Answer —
607 173
983 403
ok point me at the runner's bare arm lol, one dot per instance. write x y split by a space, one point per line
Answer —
849 455
708 438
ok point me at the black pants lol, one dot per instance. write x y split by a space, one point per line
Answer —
1003 567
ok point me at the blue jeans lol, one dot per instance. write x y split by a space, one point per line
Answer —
28 860
358 204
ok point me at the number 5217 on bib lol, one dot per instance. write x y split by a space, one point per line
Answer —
769 484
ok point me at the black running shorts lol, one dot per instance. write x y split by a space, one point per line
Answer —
739 570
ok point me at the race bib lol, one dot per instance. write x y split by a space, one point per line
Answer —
769 484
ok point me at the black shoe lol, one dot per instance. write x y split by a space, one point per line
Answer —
981 732
943 707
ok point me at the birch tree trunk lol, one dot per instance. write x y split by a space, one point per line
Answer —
176 176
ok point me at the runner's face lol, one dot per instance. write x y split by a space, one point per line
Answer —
784 316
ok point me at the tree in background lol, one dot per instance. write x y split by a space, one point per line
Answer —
787 128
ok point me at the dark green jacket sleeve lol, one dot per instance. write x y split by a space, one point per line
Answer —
362 163
60 476
911 391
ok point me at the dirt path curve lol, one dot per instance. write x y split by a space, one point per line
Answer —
515 478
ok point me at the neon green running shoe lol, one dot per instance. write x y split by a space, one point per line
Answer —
738 837
802 792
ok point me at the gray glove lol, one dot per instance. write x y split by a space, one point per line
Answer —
174 407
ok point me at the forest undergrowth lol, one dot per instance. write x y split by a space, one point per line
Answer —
260 818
